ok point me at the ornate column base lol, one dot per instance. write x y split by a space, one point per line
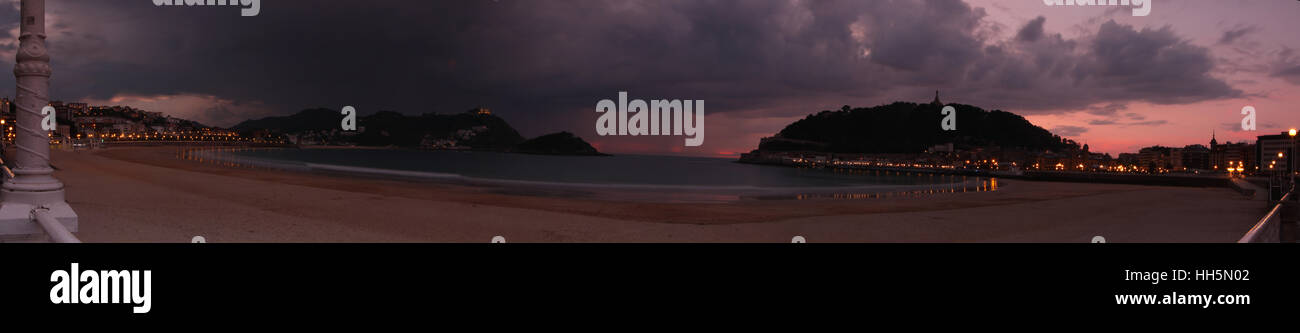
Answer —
16 211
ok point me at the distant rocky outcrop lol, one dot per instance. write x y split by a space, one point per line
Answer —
562 143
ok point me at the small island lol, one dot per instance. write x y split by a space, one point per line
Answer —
562 143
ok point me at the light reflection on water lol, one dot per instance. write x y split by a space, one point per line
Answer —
223 156
946 183
983 185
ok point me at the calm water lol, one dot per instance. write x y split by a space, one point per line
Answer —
679 176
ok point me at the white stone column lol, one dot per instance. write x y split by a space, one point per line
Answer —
34 185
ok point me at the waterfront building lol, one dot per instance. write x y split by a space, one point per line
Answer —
1267 149
1192 157
1155 159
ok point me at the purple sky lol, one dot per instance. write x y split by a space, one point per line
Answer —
1094 74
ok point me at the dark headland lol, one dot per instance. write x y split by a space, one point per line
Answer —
473 130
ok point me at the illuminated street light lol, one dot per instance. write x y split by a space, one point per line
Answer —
1289 165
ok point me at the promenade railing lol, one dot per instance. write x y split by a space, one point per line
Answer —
55 230
1269 228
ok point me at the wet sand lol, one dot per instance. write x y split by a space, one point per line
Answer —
148 194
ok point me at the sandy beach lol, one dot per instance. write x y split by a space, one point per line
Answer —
148 194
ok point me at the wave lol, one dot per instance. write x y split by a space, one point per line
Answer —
381 172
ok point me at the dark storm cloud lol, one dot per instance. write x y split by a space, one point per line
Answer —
1289 73
1236 32
1138 122
1287 66
1149 123
1107 109
1153 65
1236 127
1118 65
545 63
1032 31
